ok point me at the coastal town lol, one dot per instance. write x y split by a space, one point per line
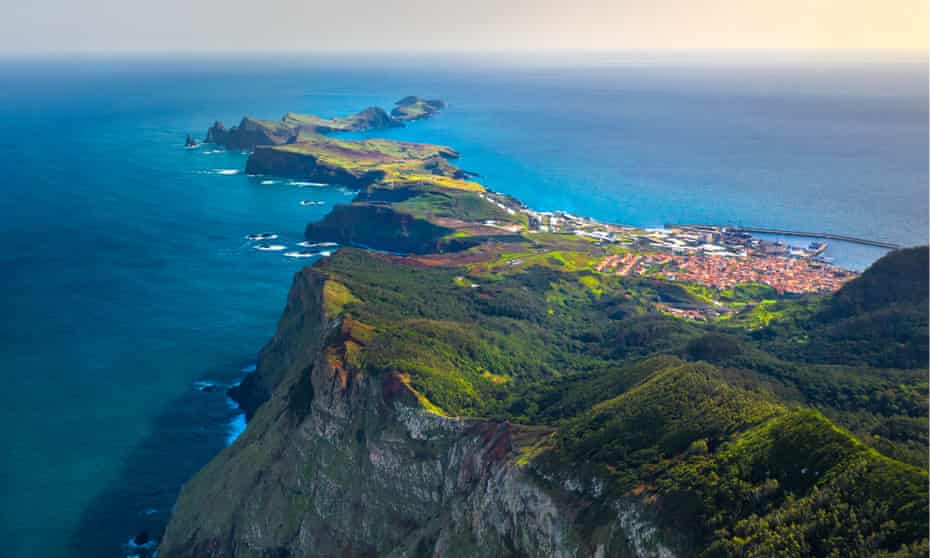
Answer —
716 257
785 274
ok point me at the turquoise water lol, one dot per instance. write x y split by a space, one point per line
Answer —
127 277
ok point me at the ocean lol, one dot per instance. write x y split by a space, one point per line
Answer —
132 299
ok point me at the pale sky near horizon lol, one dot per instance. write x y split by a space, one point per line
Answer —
462 25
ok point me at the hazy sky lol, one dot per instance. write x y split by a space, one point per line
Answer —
461 25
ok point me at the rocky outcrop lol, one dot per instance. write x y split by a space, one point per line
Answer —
415 108
217 133
250 133
374 118
338 462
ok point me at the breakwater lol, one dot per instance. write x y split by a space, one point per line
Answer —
784 232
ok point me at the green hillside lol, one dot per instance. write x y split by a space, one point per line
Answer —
714 430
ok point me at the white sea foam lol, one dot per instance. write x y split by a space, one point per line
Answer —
305 183
237 424
236 427
203 385
218 172
300 254
270 247
269 182
261 236
131 544
308 244
326 253
311 202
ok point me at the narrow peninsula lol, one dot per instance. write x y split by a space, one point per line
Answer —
254 132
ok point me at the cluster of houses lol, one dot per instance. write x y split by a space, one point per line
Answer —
714 256
786 275
717 257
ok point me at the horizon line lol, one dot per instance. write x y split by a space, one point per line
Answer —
535 57
479 51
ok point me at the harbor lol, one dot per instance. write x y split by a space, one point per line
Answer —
713 256
783 232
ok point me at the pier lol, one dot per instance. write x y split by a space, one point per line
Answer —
782 232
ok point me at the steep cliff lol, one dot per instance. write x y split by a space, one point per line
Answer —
382 228
367 436
340 462
295 344
360 163
295 164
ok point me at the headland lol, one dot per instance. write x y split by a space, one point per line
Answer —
470 377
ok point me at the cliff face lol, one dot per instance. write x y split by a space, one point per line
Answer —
290 164
295 343
379 227
341 463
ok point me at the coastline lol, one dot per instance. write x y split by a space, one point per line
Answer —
325 396
124 166
309 167
517 220
203 420
387 173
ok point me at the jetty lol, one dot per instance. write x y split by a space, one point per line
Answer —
784 232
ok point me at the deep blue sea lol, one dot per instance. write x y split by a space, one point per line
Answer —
127 281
